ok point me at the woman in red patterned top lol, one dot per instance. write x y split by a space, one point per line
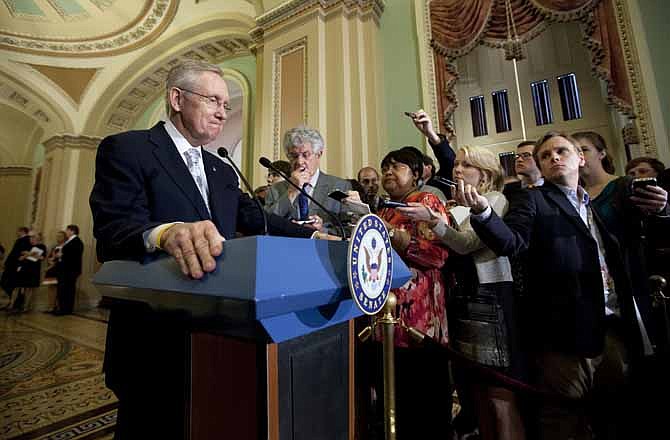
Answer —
422 376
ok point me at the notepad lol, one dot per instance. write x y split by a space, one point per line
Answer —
34 254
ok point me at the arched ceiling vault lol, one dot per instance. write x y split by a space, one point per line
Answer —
92 66
136 88
24 94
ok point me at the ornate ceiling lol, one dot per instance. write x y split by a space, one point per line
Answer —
82 27
92 67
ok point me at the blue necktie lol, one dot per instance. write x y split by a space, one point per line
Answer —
303 204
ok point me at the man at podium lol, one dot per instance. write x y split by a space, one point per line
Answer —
156 191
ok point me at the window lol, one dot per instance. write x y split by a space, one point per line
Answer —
478 113
567 88
501 111
541 102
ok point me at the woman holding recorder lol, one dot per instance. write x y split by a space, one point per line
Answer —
482 309
421 373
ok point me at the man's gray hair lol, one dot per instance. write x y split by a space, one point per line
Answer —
185 76
298 136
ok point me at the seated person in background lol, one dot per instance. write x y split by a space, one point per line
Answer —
304 147
28 275
22 243
273 176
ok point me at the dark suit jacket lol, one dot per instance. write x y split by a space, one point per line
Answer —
277 201
511 188
71 258
445 158
565 308
141 182
8 279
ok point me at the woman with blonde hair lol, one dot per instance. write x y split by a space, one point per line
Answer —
481 313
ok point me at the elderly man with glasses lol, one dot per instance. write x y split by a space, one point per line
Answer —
159 191
304 147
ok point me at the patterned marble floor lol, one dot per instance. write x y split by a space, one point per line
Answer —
51 381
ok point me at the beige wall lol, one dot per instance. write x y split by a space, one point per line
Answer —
15 190
341 92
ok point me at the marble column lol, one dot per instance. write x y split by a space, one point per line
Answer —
67 178
15 193
319 65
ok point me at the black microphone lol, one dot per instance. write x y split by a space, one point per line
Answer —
267 164
224 154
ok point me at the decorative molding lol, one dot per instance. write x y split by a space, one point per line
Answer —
429 65
41 116
15 170
22 98
247 159
19 99
629 134
152 23
276 90
297 8
71 141
647 139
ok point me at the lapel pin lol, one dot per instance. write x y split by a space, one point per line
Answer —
213 168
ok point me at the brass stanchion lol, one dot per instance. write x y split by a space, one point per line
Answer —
659 300
388 323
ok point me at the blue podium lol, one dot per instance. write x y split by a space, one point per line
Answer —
269 336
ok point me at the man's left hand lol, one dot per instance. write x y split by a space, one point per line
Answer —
194 246
650 199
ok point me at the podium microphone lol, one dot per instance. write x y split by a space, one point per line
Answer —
267 164
224 154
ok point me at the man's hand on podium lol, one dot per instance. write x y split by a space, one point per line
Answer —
194 246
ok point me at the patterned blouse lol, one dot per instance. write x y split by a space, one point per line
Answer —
421 301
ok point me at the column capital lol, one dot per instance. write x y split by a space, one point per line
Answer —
293 9
71 141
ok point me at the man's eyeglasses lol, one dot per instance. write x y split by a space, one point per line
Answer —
307 155
524 156
212 102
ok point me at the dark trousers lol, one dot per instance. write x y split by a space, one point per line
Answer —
145 366
65 293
